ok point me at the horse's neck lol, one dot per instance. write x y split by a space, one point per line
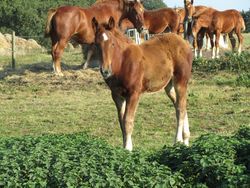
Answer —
181 14
147 18
122 44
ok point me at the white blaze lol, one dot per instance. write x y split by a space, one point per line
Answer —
105 37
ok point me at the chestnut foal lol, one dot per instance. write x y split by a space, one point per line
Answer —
129 70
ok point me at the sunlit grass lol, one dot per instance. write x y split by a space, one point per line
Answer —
34 102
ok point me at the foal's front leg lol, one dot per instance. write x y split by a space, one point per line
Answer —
131 106
120 104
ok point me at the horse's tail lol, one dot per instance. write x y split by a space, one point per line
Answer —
243 26
51 13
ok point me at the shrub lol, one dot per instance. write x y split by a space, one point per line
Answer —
231 62
212 160
243 79
79 160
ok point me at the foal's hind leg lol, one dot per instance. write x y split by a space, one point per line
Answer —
232 40
178 97
240 39
217 43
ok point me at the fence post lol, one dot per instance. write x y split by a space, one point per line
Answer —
13 50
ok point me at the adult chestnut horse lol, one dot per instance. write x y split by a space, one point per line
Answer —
74 22
129 70
186 14
157 21
217 22
161 20
189 10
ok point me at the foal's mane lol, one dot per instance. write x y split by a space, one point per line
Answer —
118 34
123 40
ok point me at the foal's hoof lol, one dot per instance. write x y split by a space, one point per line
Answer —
84 66
59 74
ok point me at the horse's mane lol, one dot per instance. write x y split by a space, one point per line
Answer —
104 1
120 2
199 13
178 9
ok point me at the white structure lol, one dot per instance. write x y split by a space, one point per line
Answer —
138 37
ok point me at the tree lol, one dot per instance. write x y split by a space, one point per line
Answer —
153 4
27 18
246 17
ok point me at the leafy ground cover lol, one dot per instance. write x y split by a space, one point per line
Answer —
75 160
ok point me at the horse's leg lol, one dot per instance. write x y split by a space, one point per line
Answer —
225 41
217 43
240 39
178 97
57 51
207 42
195 45
120 106
90 53
200 42
183 133
131 105
170 91
211 36
53 48
232 40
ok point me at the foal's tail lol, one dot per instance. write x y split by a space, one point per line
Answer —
243 26
51 13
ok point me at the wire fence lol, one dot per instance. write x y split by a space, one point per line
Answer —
14 47
28 45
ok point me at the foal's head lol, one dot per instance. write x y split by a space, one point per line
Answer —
189 8
111 42
135 13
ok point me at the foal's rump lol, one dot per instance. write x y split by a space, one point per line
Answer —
227 20
166 56
168 47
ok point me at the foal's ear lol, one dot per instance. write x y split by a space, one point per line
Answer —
192 1
111 23
95 24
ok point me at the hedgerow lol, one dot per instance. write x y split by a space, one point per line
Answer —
79 160
231 61
212 160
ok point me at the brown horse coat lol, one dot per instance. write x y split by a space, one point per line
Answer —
217 22
129 70
157 21
191 11
74 22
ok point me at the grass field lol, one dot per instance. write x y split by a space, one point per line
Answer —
34 102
